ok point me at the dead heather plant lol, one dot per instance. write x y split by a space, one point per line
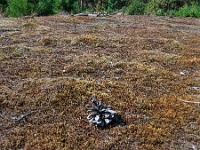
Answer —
27 23
74 23
49 41
29 26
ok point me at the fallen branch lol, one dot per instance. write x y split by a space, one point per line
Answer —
194 135
188 101
8 30
2 115
91 15
22 117
81 14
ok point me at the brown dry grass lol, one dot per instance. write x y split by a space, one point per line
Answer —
141 65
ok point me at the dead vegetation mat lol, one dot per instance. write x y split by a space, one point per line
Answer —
147 68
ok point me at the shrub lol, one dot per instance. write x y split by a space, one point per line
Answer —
46 7
17 8
3 5
163 7
70 6
112 4
135 8
192 10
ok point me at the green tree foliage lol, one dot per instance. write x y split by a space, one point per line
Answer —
136 7
108 6
46 7
162 7
19 8
112 6
3 5
192 10
183 8
71 6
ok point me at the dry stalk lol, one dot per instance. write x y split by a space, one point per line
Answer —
188 101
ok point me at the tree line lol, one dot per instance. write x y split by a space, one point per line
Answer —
182 8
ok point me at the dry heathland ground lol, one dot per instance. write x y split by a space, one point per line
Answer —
147 68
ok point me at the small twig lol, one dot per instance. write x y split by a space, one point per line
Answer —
136 146
194 135
8 30
21 117
2 114
194 147
188 101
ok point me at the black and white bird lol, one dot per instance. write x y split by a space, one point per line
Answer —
101 115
